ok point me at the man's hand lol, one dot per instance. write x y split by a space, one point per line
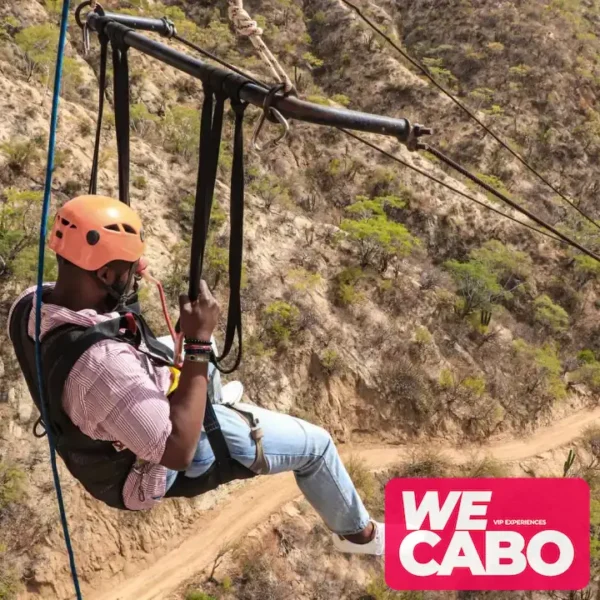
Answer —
198 319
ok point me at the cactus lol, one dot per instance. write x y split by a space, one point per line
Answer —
568 463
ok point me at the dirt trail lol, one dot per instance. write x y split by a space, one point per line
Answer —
264 496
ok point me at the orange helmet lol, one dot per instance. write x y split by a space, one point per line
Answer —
91 231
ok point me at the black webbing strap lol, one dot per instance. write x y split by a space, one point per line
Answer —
236 239
102 83
121 101
211 127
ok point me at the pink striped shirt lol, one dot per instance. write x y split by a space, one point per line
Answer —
116 393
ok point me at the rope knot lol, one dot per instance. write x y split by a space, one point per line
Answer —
244 24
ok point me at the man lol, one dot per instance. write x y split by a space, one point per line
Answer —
118 393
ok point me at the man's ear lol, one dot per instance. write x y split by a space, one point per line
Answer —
106 275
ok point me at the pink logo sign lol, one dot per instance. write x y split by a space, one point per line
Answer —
487 534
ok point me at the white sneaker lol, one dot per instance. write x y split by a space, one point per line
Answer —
376 546
232 392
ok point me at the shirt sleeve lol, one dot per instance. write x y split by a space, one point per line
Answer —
111 394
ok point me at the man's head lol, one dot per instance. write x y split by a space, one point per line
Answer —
99 242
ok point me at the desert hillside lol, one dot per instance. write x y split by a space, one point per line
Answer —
366 286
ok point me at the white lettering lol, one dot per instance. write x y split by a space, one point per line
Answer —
468 509
513 552
565 549
461 543
430 506
407 553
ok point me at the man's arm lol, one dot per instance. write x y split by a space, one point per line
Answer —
188 403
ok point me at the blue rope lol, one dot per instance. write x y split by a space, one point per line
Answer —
40 282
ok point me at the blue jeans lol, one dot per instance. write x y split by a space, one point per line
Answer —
291 444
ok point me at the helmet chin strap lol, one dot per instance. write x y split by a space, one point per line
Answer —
122 294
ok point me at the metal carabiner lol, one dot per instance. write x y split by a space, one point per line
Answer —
94 7
273 115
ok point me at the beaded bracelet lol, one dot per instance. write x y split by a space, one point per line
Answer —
197 341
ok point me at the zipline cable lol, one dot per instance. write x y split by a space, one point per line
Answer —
217 59
449 187
466 173
558 237
40 284
471 114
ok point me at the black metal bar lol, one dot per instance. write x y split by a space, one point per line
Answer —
162 26
233 84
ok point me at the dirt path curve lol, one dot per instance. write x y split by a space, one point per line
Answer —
260 498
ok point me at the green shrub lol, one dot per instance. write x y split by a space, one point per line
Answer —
216 263
71 188
377 589
549 315
467 388
181 131
510 266
330 360
21 154
318 99
319 17
477 285
281 322
364 481
198 595
540 368
346 281
19 217
588 374
380 242
13 483
303 280
422 336
341 99
586 267
85 127
10 585
271 190
425 463
72 76
227 584
140 182
586 356
486 467
142 120
312 60
38 44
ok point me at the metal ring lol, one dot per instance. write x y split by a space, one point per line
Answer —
97 9
273 115
269 100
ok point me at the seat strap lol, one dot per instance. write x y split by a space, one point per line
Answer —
121 102
102 84
210 144
236 241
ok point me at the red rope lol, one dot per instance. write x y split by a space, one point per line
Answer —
177 338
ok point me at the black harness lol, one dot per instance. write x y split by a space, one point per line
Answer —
98 465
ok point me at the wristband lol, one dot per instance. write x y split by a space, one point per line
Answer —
202 348
201 358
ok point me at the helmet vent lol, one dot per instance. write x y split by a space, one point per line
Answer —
64 222
129 229
113 227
